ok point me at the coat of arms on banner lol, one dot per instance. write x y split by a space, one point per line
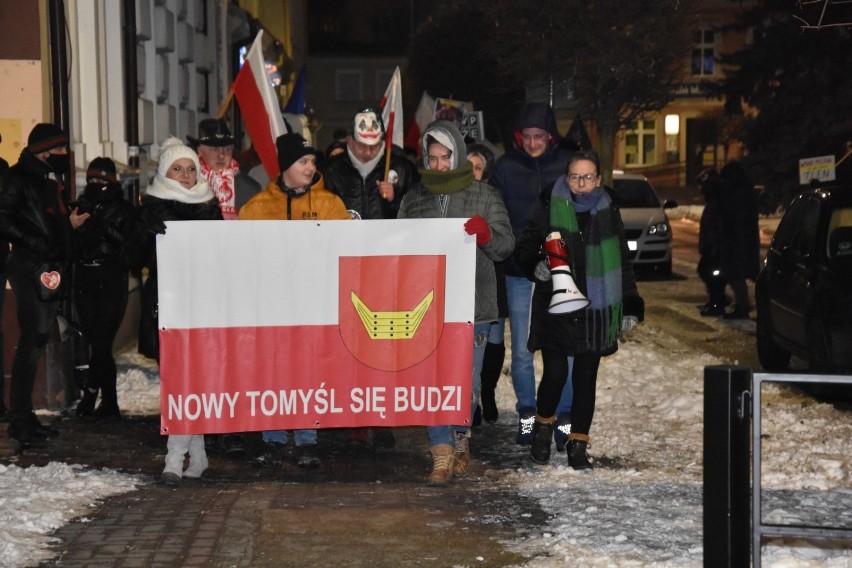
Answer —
392 308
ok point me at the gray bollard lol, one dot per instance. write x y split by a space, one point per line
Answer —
727 494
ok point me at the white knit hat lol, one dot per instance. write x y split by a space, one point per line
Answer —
173 149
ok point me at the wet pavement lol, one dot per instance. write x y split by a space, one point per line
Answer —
362 507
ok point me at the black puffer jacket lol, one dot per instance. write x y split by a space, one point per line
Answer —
103 235
32 214
360 194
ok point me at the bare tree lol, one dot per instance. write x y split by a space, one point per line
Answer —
623 59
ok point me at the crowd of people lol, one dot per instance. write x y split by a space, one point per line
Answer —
512 203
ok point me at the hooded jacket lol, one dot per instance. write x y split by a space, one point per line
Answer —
520 178
102 236
32 211
476 198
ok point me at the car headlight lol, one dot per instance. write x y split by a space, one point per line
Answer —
659 229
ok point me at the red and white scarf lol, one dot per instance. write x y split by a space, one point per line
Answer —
222 184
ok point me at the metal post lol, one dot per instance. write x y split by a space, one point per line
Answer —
727 405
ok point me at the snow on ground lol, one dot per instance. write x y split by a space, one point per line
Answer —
641 507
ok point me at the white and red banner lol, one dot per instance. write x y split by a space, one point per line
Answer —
391 105
268 325
259 106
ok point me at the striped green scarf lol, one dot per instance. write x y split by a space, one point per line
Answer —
602 255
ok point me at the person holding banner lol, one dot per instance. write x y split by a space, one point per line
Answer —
297 194
177 193
358 175
590 230
447 189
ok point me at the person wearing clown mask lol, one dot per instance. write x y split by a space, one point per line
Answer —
448 189
358 174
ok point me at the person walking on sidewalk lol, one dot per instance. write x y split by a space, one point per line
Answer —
297 194
521 175
100 289
36 220
588 222
177 193
447 189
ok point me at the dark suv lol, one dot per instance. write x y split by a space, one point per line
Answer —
804 291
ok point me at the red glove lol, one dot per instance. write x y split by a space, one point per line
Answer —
477 225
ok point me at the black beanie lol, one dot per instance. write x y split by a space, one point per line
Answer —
101 168
290 148
46 136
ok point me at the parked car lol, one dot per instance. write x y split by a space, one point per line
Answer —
804 291
646 225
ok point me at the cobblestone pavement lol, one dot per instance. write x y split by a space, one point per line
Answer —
362 507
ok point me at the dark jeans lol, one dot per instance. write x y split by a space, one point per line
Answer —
35 319
584 378
101 297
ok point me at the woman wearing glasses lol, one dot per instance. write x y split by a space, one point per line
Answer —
589 226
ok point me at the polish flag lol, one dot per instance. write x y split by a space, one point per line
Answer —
259 106
424 114
391 105
327 324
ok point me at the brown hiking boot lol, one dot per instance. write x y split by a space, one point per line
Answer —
462 454
443 458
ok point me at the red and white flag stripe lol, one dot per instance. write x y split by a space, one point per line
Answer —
259 106
280 325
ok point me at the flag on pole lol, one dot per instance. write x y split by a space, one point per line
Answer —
259 106
296 103
391 106
244 346
422 117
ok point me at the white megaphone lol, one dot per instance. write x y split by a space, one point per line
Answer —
566 297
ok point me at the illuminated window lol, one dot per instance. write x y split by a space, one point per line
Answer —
704 52
640 143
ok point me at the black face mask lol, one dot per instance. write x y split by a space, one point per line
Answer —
59 163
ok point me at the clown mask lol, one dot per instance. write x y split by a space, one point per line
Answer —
368 128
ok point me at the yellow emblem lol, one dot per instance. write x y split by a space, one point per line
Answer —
392 325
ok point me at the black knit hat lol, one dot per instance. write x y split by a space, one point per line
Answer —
46 136
101 168
212 132
290 148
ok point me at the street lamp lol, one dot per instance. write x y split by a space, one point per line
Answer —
672 129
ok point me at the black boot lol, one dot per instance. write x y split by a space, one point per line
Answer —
492 366
577 457
108 409
86 406
542 434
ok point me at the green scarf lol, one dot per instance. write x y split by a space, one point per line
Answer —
602 258
445 183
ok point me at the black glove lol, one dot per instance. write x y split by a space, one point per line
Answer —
154 225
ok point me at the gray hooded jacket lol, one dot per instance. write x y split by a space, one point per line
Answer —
476 199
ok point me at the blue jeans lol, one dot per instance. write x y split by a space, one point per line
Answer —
519 291
446 434
300 437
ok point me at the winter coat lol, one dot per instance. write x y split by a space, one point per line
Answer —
274 203
568 333
102 237
32 212
739 232
142 252
520 178
359 194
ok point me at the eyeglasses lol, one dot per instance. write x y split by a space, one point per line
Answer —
588 178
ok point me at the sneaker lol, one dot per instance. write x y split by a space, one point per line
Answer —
577 456
560 433
462 454
307 457
273 456
526 419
